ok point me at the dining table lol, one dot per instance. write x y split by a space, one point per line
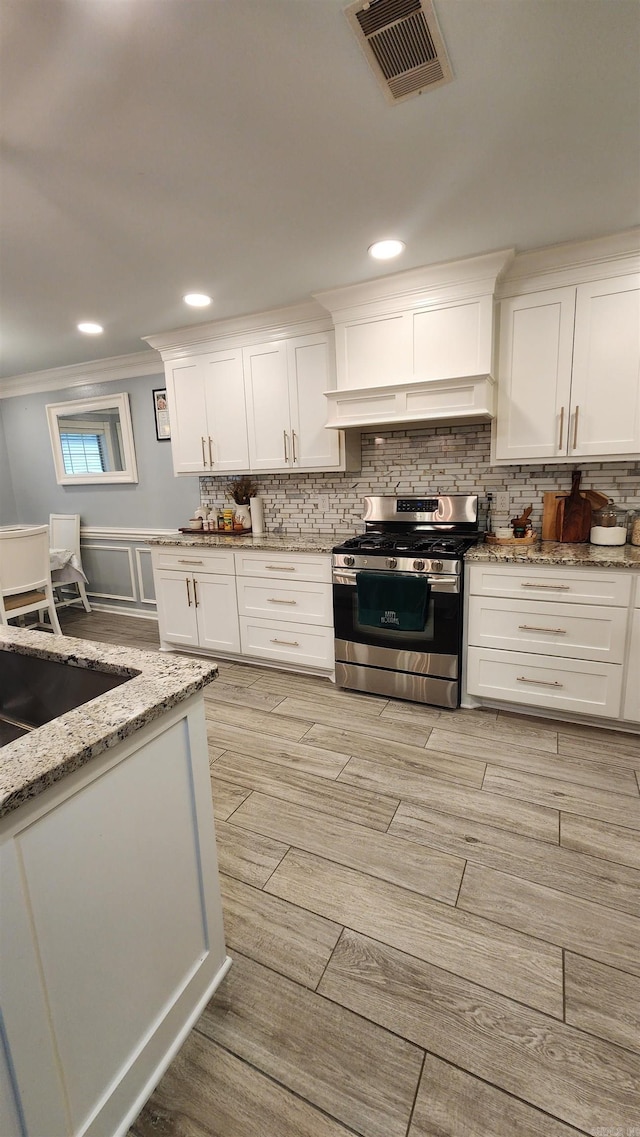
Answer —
64 563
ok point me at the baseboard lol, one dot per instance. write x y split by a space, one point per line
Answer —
136 613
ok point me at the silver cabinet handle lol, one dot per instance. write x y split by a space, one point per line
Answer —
281 568
293 444
533 628
575 428
287 643
286 448
555 587
210 454
204 457
184 561
538 682
188 592
276 600
195 591
561 428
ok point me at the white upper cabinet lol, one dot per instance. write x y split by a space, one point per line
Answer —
207 413
569 372
257 403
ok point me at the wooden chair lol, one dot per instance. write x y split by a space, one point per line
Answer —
64 533
25 575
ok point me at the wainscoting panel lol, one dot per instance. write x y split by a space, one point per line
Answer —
117 564
144 570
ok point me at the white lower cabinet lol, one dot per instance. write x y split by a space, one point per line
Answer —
554 638
631 710
267 606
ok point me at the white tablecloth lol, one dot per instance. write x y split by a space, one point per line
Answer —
65 567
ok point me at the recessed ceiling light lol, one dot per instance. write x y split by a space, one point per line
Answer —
385 250
90 329
197 299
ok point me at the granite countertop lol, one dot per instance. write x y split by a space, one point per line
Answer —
555 553
45 755
275 542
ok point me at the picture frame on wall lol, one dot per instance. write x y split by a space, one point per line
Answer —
161 411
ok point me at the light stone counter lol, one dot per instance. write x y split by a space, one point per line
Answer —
282 542
47 754
555 553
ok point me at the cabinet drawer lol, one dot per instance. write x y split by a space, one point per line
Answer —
303 644
298 601
190 560
541 582
577 631
542 681
297 566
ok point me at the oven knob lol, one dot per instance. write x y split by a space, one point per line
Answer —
392 562
437 566
418 565
349 561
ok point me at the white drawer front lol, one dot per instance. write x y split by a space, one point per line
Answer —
194 560
299 601
551 583
302 644
541 681
295 566
578 631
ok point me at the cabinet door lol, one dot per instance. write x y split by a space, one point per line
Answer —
605 392
311 373
217 612
188 415
227 443
536 345
631 709
176 607
267 394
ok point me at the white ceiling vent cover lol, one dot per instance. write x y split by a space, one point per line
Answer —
403 45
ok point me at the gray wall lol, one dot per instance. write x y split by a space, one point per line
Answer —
8 509
157 500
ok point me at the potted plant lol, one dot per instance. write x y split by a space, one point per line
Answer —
241 490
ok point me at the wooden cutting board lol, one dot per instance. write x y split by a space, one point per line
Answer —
550 509
573 519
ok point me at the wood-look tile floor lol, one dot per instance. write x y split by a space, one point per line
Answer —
434 919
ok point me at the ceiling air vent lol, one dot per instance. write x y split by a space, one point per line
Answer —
403 45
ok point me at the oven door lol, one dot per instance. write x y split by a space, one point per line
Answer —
432 650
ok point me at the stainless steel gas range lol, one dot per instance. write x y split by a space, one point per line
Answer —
397 598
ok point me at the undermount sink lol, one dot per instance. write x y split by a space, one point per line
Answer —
33 691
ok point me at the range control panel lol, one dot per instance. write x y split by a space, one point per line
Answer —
417 505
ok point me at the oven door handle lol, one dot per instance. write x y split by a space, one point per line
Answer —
439 583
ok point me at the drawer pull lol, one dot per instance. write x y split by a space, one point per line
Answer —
286 449
182 561
555 587
188 592
293 445
281 568
276 600
575 428
287 643
210 454
195 591
204 457
561 428
539 682
533 628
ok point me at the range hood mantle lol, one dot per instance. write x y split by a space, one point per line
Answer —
416 346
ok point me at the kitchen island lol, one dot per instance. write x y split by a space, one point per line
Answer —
111 936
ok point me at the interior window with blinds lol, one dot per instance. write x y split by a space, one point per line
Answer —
83 452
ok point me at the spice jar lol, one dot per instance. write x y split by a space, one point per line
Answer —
608 525
633 529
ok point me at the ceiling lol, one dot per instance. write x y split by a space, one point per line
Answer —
243 148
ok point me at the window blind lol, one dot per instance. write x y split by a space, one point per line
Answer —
83 452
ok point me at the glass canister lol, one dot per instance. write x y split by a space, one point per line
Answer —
608 525
633 527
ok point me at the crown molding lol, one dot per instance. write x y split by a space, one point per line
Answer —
571 263
417 287
111 370
277 323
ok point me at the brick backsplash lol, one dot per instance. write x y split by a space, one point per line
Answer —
441 459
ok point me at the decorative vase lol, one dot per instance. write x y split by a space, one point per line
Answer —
244 513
